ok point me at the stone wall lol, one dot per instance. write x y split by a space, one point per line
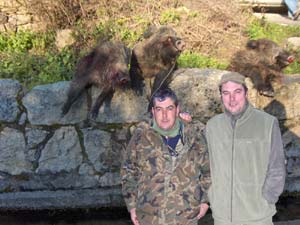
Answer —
15 16
50 161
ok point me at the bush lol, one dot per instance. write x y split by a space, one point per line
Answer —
169 16
32 57
294 68
31 70
24 41
195 60
278 33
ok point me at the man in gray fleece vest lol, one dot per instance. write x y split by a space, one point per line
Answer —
246 158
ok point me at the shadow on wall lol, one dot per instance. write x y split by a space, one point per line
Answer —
291 142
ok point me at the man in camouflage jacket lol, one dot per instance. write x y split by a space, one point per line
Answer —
165 173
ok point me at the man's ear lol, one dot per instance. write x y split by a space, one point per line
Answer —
177 110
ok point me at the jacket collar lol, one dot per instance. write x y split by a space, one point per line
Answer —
242 116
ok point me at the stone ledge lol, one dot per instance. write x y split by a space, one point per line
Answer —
263 3
70 199
291 222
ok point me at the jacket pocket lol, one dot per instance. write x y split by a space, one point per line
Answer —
249 204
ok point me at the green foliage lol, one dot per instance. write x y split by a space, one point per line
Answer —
263 29
24 41
293 68
33 59
118 30
31 70
104 30
58 66
169 16
195 60
16 42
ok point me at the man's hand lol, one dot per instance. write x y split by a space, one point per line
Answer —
203 209
133 216
185 116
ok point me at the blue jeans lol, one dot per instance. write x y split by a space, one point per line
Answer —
292 7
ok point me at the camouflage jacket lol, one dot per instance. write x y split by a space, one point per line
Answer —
165 189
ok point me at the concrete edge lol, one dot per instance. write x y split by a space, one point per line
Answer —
72 199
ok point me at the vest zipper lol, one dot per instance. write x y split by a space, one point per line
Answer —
232 162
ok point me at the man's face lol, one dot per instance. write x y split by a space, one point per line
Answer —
234 97
165 113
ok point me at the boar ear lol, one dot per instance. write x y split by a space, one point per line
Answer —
150 31
253 44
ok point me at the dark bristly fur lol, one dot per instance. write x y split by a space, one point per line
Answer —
262 61
106 67
154 58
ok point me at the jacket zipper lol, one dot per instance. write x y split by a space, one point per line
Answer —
232 162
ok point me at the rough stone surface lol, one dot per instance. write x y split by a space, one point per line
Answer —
118 111
64 38
198 91
285 105
62 152
294 43
35 136
20 19
44 156
74 199
98 145
3 18
12 152
44 103
110 179
291 142
9 92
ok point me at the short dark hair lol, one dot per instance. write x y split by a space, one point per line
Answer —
244 86
162 94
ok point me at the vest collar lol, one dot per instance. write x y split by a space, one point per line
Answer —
242 116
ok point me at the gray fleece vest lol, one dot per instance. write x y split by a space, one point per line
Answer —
239 159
